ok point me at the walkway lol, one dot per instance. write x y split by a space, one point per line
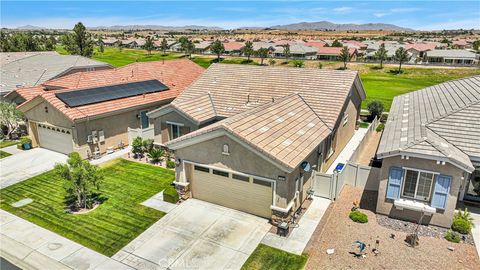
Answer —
349 149
156 202
298 239
31 247
475 213
12 149
112 156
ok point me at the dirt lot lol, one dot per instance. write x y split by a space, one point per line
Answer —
339 232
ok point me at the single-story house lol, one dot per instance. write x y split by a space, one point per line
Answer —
112 42
430 152
233 47
202 46
98 111
7 57
249 137
170 42
333 53
419 50
297 51
315 43
38 68
452 57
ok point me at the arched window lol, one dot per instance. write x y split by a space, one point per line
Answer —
225 149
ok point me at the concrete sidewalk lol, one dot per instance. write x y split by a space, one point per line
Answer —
349 149
32 247
475 213
297 241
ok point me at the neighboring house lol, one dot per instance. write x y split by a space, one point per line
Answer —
418 50
430 152
452 57
38 68
315 43
95 112
297 51
259 45
7 57
112 42
333 53
355 44
390 48
242 135
233 47
202 46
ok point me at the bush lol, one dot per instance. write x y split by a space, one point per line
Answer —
147 145
358 216
170 164
24 140
170 195
375 107
155 155
137 146
380 127
298 63
462 222
452 237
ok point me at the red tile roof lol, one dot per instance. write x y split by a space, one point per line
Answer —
176 74
334 50
422 47
316 44
233 46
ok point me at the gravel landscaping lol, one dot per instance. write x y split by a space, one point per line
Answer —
339 233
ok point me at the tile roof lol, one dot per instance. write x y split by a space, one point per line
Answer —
38 68
452 54
334 50
314 43
286 130
297 49
439 121
7 57
233 46
176 74
421 47
236 88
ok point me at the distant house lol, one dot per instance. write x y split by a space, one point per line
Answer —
202 46
355 44
111 42
297 51
40 67
259 45
333 53
452 57
315 43
460 44
419 50
391 49
430 153
233 47
98 111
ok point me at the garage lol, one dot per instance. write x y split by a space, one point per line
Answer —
233 190
54 138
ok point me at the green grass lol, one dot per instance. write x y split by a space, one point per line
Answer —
265 257
6 143
205 62
4 154
383 85
116 222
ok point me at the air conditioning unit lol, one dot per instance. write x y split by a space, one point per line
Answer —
89 139
101 136
94 136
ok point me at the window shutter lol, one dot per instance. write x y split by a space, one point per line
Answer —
440 193
394 183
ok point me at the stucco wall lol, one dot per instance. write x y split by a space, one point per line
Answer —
442 217
46 113
162 134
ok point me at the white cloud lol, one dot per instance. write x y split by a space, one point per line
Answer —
452 24
380 14
403 10
343 10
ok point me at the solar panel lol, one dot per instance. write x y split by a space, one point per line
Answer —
111 92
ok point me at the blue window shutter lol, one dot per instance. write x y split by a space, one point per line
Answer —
394 183
440 193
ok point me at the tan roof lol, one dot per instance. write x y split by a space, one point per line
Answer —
236 88
441 121
286 130
176 74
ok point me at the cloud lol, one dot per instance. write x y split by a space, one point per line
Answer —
379 15
343 10
403 10
453 24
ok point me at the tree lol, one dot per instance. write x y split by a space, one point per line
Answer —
79 42
248 50
217 48
50 43
189 48
320 65
272 62
336 43
476 45
344 56
381 54
375 107
164 45
401 55
100 44
262 53
10 117
82 181
149 45
184 43
286 52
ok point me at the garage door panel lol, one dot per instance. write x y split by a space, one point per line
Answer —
244 196
55 138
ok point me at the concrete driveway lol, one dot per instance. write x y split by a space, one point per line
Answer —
196 235
26 164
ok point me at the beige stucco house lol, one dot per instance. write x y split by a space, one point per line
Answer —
95 112
250 137
430 152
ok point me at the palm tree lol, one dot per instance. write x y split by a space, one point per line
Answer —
381 54
401 55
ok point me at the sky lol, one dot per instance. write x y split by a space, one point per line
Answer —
419 15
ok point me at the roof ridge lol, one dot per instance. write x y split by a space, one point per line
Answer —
315 112
454 146
213 104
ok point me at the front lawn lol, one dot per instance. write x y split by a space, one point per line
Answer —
116 222
6 143
4 154
266 257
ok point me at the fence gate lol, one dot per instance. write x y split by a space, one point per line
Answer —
323 184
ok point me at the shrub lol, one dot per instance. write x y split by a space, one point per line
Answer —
375 107
170 195
137 146
380 127
462 222
298 63
170 164
147 145
452 237
358 216
155 155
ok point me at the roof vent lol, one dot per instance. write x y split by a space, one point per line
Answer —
264 129
287 142
301 132
291 114
311 124
279 119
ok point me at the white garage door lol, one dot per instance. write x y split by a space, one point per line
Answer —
232 190
55 138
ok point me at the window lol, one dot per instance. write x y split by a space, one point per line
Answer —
175 131
221 173
240 177
202 169
225 149
417 185
262 182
